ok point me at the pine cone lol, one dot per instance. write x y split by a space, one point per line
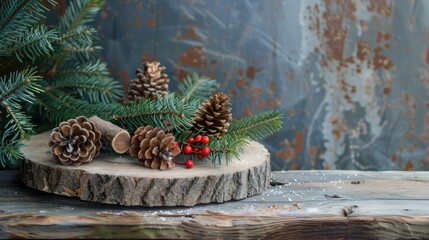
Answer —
75 141
213 116
153 148
150 83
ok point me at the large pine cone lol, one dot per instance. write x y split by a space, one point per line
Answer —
75 142
153 148
213 116
151 82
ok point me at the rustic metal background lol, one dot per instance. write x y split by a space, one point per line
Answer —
350 77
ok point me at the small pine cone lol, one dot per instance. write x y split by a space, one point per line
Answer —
153 148
75 142
213 116
150 82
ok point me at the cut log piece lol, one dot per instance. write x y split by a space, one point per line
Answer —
116 137
120 180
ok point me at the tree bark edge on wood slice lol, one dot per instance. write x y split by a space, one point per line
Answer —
120 180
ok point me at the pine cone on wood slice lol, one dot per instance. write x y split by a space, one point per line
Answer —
213 116
151 82
153 148
75 142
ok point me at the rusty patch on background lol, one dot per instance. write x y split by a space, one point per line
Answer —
193 57
381 7
125 80
151 22
192 34
299 142
251 72
335 35
286 152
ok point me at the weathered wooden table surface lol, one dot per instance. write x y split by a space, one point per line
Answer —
299 204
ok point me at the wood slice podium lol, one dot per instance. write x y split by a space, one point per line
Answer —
115 179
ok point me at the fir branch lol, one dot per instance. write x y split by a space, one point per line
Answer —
19 122
10 150
61 106
80 53
166 113
227 147
79 13
92 88
13 14
241 132
96 68
33 43
257 126
17 16
8 92
19 86
196 86
10 154
82 35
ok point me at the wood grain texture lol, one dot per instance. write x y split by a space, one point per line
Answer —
120 180
211 226
309 204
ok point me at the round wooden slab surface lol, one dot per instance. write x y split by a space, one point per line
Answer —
120 180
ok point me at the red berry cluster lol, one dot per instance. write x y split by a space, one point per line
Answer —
195 145
192 146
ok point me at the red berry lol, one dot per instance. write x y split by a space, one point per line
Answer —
201 156
176 144
187 149
205 139
189 163
197 138
196 150
205 151
191 140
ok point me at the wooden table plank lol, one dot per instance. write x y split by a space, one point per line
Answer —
331 204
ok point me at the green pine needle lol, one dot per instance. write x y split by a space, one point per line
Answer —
241 132
15 89
95 89
17 16
94 68
166 113
257 126
61 106
196 86
10 153
80 52
79 12
19 86
227 147
34 43
82 35
19 122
